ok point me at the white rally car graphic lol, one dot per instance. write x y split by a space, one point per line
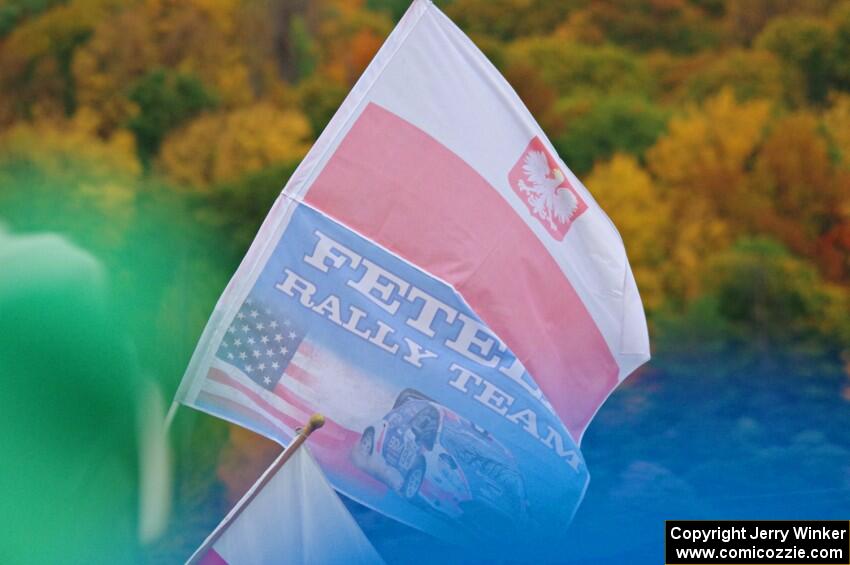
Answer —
427 452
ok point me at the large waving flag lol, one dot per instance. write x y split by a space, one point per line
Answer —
436 281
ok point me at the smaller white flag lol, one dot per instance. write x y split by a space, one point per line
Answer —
295 518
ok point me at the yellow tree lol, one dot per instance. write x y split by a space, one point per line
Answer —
348 37
197 37
800 197
705 152
56 147
630 196
834 245
751 73
35 60
701 167
221 147
61 173
837 122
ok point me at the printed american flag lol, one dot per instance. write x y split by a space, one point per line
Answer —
261 357
261 344
270 377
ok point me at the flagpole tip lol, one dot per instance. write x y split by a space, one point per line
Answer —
316 422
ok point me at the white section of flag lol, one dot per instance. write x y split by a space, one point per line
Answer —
343 393
296 518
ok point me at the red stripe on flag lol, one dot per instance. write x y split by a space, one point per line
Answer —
299 374
212 558
332 435
306 349
426 204
234 408
225 379
287 395
331 430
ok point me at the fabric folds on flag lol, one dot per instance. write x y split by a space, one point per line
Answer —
296 518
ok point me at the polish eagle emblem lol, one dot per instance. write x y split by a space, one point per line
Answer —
539 181
548 198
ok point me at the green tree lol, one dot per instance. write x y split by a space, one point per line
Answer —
622 123
510 19
763 311
577 69
806 44
774 300
747 18
319 96
165 99
678 26
303 47
395 8
238 207
752 74
840 17
12 12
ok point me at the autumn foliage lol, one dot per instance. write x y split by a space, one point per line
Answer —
715 133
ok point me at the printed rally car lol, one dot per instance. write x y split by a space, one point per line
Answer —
427 452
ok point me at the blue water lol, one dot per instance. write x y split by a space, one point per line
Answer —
711 445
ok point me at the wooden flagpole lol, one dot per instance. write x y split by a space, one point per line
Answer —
316 421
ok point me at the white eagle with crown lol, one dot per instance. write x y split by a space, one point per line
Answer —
547 198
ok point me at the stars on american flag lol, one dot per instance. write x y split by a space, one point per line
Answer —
255 345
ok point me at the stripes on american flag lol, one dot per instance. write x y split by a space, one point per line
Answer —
261 375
